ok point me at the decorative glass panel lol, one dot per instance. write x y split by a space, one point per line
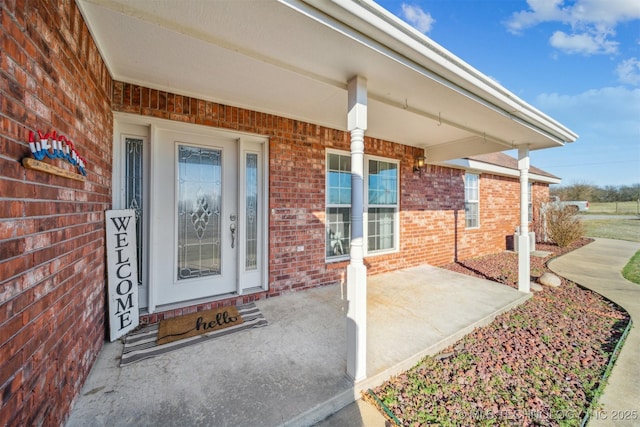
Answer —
338 231
252 212
383 183
381 226
133 190
199 219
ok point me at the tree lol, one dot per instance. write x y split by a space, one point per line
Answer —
580 191
608 194
593 193
629 192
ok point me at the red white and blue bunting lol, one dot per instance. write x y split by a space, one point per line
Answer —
56 146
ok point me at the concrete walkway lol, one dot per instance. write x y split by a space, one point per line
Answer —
292 372
598 266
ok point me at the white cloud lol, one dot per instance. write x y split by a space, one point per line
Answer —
607 12
592 22
541 11
629 71
585 43
417 17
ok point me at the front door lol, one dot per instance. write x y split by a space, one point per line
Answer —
200 197
195 216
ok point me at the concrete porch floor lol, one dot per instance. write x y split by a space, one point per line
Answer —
292 372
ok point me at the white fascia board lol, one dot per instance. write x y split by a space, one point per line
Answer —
481 85
481 167
375 21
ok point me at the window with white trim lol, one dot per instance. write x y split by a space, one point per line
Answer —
338 206
380 209
381 205
472 200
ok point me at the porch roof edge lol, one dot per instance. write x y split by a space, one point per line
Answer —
536 174
379 25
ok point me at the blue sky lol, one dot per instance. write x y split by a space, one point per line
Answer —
578 61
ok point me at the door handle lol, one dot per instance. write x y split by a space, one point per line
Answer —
232 227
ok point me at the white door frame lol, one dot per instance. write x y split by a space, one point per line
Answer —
248 281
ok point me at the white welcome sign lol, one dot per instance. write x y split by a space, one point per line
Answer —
122 270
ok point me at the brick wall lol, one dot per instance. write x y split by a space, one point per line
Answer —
52 275
297 153
296 180
432 204
499 215
52 278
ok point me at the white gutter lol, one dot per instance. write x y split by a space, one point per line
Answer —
412 48
408 35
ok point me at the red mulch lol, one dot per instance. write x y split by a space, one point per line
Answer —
539 364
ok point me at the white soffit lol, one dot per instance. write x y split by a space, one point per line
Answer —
294 58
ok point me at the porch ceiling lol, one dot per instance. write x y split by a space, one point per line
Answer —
294 58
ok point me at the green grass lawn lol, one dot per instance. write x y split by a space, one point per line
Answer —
621 229
631 271
614 208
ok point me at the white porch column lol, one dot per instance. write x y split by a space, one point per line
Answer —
356 270
524 267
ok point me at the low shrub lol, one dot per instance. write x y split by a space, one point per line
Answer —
563 225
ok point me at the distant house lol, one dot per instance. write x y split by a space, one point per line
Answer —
265 149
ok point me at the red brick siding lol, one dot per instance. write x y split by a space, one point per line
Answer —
499 215
432 218
51 228
296 180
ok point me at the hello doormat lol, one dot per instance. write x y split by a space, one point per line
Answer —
193 324
144 343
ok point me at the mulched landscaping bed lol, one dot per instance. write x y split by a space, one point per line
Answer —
539 364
